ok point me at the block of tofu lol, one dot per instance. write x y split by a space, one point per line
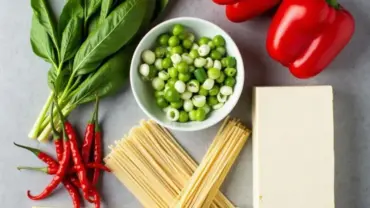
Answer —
293 147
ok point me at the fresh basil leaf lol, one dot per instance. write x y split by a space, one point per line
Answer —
41 43
149 13
108 79
106 6
42 12
90 7
72 9
71 39
94 23
118 29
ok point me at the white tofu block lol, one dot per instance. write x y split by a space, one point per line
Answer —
293 147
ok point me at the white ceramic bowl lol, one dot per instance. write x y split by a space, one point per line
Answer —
144 93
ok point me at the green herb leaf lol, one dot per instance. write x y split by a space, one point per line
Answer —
106 8
118 29
70 29
94 23
90 7
42 12
41 43
108 79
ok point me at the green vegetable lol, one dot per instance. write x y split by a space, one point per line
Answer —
216 55
193 115
184 77
230 81
221 78
177 29
166 63
203 40
182 67
176 50
214 91
231 72
200 114
200 74
222 50
184 117
163 39
172 72
218 40
187 43
194 54
212 100
172 95
214 73
177 104
160 52
114 32
173 41
203 91
98 67
229 62
161 102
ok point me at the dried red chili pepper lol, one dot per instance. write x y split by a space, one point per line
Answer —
64 163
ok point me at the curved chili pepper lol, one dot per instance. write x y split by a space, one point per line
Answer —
52 170
77 183
306 36
97 147
88 139
41 155
247 9
73 192
97 198
77 160
63 167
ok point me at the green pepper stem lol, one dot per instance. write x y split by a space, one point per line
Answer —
40 169
62 118
333 3
33 150
97 128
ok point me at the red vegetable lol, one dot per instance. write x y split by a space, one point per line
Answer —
52 170
97 147
64 163
89 138
77 160
41 155
73 192
306 36
225 2
97 198
57 137
248 9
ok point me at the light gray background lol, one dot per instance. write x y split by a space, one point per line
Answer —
23 90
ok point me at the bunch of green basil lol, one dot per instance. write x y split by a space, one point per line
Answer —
89 49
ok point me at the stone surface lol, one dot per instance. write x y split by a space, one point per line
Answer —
23 90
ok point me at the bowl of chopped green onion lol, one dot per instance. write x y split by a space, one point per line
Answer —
187 74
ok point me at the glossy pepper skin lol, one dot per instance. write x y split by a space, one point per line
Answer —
225 2
247 9
306 36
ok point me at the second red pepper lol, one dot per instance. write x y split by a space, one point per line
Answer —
246 9
306 36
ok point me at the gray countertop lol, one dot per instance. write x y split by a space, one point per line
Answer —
23 90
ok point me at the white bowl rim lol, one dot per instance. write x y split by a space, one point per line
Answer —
237 93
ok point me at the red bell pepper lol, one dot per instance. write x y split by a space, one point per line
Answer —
246 9
307 35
